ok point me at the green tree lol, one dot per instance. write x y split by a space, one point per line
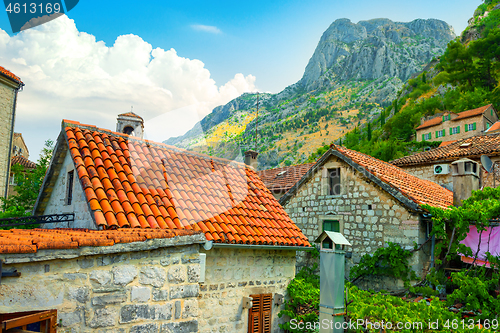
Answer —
369 132
28 185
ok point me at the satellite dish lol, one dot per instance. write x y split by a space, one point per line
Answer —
486 163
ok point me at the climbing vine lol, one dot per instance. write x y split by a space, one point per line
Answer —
388 261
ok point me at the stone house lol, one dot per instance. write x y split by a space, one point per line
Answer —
447 126
115 181
369 201
20 155
134 280
435 164
10 85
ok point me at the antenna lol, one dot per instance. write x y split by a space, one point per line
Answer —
257 120
486 163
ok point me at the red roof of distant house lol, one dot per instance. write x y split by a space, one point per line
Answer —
472 113
22 161
431 122
472 147
494 127
129 182
30 241
282 179
445 143
10 75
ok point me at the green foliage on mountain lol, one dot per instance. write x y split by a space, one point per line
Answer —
467 76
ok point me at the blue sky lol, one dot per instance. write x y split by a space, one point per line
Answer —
268 42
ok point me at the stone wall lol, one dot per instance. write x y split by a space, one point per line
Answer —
368 216
138 287
232 274
7 96
58 199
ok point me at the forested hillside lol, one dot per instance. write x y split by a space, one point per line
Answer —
466 76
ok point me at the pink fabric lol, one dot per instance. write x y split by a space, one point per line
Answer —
472 240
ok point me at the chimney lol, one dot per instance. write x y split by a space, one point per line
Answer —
131 124
465 174
251 158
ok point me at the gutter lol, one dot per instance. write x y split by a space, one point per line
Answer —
262 247
11 138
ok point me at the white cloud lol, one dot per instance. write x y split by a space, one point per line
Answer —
206 28
68 74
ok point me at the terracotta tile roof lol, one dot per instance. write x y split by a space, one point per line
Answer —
472 147
130 182
282 179
445 143
10 75
130 114
431 122
494 127
22 161
472 113
418 190
30 241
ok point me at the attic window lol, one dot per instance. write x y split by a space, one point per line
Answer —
69 188
334 181
465 145
280 174
128 130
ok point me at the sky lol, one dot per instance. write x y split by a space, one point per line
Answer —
173 62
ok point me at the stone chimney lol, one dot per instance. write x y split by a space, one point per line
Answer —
251 158
465 174
131 124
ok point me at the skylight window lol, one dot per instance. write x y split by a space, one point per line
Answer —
281 173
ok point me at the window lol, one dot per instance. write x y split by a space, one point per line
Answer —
32 321
12 180
470 127
330 225
259 316
440 134
69 188
454 130
334 181
487 125
426 137
128 130
446 117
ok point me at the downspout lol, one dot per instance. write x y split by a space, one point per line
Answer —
11 138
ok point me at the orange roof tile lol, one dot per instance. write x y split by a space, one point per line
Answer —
10 75
22 161
473 112
282 179
228 189
30 241
445 143
431 122
473 147
494 127
130 114
416 190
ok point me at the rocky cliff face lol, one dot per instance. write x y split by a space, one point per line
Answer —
355 71
371 49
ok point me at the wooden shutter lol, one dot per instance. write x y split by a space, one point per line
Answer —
466 127
423 137
444 132
259 316
474 126
458 129
437 134
451 131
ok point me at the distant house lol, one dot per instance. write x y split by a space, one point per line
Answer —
10 84
455 126
115 181
280 180
370 201
435 164
20 155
